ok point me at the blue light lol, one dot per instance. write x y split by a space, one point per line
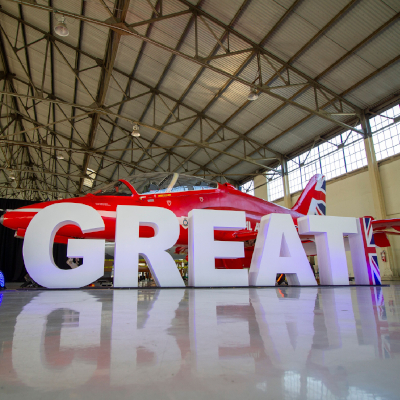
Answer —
2 282
1 298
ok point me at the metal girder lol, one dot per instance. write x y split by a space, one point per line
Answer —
33 190
6 70
131 78
131 31
207 17
187 89
323 73
370 76
293 58
152 127
45 172
120 11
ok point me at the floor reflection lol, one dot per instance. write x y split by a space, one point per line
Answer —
283 343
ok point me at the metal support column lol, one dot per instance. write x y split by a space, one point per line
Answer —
388 269
286 191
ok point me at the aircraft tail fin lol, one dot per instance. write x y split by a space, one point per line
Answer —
312 200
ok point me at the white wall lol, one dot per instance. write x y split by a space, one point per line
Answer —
350 196
260 187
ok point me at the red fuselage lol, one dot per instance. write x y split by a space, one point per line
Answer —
224 197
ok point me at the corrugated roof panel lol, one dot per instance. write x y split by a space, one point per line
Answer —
221 109
319 56
244 121
117 87
231 64
139 10
152 64
264 133
224 10
64 80
36 54
377 88
135 108
242 169
40 19
94 39
11 7
320 12
181 69
291 36
174 85
311 128
394 4
235 93
127 53
206 41
365 17
286 117
347 74
94 9
259 18
198 97
169 31
383 48
263 106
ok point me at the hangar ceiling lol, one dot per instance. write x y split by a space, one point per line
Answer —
182 71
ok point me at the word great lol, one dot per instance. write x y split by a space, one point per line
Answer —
278 248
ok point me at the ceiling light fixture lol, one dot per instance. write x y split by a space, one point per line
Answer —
61 28
11 175
253 95
60 157
135 130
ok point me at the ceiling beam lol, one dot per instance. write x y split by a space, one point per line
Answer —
120 11
197 61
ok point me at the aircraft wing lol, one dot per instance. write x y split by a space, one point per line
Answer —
383 227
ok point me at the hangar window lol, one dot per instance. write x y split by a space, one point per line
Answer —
90 179
248 187
336 156
275 185
386 133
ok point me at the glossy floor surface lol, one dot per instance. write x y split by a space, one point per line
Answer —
271 343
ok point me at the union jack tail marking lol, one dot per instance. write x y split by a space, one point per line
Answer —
370 251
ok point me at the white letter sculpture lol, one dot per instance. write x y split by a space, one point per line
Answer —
203 249
128 246
329 241
278 250
38 246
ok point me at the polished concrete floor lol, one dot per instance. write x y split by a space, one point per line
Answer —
271 343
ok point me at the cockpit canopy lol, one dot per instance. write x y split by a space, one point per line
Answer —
156 182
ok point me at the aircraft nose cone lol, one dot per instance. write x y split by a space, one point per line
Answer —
2 219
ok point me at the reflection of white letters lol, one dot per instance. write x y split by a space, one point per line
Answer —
30 356
38 246
358 256
329 240
143 351
278 249
129 245
216 339
287 334
203 249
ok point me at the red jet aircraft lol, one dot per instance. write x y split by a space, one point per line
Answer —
180 194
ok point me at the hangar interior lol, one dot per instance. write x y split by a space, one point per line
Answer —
234 91
262 94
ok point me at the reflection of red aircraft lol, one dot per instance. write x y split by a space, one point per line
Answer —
180 194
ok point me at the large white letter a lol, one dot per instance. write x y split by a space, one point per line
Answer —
278 250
